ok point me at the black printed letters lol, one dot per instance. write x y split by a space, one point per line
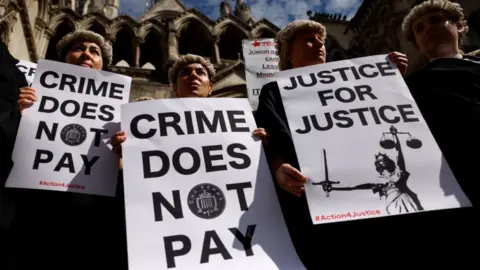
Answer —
73 108
212 245
341 74
196 122
212 156
71 83
340 95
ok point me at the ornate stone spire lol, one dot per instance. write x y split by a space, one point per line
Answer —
242 11
96 6
111 8
225 8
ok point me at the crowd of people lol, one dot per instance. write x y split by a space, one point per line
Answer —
77 231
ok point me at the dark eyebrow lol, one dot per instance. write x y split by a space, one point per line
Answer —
95 47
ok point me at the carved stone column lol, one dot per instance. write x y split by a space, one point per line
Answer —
138 52
3 7
39 30
48 34
216 50
173 45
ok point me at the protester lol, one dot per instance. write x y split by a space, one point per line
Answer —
190 76
447 89
82 48
82 231
301 44
11 79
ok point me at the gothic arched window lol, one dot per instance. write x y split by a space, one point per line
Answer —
195 39
62 29
98 28
231 42
124 46
153 50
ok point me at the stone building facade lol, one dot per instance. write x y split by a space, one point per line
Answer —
143 49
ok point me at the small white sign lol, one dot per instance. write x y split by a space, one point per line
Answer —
63 139
28 69
261 64
198 190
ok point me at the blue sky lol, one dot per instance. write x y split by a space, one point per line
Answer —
280 12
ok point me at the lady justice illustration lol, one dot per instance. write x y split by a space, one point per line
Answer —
399 197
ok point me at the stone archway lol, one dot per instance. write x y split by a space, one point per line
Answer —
124 46
65 27
231 37
195 38
153 50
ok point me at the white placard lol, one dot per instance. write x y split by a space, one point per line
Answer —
261 64
196 182
28 69
63 142
363 143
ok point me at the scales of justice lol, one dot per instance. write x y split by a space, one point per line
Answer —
388 141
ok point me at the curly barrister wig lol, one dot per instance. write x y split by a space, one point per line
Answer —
186 60
66 43
285 37
454 11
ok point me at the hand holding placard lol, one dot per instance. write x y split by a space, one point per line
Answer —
71 122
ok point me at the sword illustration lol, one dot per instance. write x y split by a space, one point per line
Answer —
327 183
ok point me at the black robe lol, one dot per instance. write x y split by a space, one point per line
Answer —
447 92
60 230
11 79
392 237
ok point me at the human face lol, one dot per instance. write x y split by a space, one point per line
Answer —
193 81
86 54
307 49
436 35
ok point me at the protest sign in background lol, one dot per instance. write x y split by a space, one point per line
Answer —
261 63
198 190
363 144
63 139
27 68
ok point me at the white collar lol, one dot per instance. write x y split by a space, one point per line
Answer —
458 56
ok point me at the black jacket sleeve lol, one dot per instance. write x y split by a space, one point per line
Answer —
270 115
11 80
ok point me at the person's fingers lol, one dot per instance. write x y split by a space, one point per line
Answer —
28 92
25 103
398 59
27 96
292 186
297 191
402 60
395 56
260 132
118 140
294 173
28 88
292 183
395 53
